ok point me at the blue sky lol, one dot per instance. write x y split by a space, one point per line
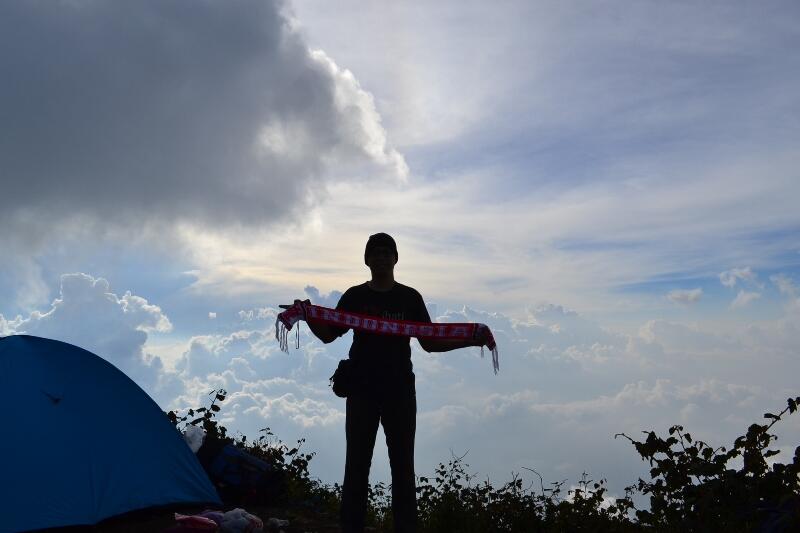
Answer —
612 187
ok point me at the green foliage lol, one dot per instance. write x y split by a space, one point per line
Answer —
302 489
204 417
453 501
692 486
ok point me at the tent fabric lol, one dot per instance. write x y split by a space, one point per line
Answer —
82 442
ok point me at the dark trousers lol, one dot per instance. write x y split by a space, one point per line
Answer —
396 409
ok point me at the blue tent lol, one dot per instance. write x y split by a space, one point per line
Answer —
82 442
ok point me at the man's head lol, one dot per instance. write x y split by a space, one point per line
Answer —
380 245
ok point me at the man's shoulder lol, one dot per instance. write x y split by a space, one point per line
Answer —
408 290
403 291
357 288
354 291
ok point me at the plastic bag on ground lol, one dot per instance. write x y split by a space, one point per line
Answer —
277 523
216 516
240 521
194 437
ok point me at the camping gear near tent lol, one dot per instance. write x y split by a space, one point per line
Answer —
241 477
82 442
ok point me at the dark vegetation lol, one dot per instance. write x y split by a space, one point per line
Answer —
692 486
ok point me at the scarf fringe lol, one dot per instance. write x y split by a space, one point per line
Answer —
282 336
495 359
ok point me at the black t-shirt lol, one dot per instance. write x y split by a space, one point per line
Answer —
383 356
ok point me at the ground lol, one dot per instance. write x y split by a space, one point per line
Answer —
157 520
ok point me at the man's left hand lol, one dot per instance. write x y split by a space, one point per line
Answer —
481 335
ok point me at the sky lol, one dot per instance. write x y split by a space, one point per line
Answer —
611 186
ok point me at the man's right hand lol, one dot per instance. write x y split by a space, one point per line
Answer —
322 331
287 306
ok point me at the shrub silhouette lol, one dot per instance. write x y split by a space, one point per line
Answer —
692 486
302 489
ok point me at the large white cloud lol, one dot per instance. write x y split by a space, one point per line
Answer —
325 300
88 314
202 112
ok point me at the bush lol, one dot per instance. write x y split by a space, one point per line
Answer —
691 487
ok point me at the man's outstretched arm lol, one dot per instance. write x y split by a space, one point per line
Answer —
445 345
323 332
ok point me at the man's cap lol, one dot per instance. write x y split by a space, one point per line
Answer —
380 239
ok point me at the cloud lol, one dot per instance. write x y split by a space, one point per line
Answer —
744 298
212 354
210 113
304 411
325 300
685 296
678 340
288 393
89 315
662 393
785 284
730 277
8 327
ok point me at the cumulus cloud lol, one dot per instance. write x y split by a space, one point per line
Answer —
302 410
89 315
238 356
8 327
212 354
206 112
744 298
685 296
288 393
325 300
729 278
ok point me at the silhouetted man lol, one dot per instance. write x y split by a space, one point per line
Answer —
385 392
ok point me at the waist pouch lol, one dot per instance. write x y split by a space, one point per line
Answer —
354 377
343 379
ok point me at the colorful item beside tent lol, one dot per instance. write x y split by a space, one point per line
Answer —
421 330
83 442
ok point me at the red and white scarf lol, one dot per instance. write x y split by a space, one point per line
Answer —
381 326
